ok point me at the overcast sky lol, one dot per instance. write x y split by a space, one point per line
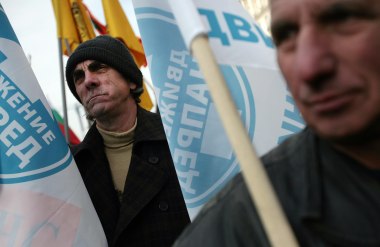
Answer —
35 26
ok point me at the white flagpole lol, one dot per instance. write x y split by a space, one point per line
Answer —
262 194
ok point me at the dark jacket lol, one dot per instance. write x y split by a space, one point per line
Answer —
153 211
329 200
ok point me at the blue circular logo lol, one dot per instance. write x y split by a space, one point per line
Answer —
201 152
31 144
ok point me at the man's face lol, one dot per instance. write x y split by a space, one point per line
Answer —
103 91
328 51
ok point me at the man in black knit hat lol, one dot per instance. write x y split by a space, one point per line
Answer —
124 158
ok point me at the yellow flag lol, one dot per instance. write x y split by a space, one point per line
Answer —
146 101
73 24
82 20
66 28
118 26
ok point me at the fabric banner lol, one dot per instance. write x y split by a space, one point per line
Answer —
202 154
43 201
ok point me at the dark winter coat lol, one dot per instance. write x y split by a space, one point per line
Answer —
152 211
329 200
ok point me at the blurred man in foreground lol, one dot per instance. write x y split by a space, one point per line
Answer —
327 178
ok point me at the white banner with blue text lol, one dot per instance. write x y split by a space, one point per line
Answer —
200 149
43 201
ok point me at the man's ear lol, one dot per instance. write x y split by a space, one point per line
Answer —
132 85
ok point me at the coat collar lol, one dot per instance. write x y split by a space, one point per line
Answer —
149 128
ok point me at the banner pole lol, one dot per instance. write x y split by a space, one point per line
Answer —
57 8
273 219
63 90
262 194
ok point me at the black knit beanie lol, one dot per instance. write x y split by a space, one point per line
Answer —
109 51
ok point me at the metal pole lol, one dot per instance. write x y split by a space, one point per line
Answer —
63 90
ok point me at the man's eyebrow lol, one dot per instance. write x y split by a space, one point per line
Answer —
77 70
341 9
95 65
